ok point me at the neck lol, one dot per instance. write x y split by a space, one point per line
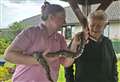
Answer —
47 28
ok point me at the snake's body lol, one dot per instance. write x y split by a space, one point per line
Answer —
63 53
42 61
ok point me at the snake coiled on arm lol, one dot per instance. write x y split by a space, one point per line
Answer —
39 57
62 53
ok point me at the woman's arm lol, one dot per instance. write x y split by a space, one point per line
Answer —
17 57
15 53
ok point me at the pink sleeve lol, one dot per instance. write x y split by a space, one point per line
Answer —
22 40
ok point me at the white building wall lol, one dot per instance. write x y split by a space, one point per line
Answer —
76 29
113 31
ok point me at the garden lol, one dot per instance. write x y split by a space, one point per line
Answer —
7 69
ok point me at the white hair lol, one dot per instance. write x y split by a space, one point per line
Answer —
98 14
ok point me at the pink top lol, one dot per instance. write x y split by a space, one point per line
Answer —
35 39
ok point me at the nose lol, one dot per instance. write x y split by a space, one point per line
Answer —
96 29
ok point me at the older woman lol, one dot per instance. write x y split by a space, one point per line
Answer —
98 61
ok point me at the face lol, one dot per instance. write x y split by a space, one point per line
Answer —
58 20
96 27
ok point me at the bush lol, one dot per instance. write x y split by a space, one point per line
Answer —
6 72
119 70
4 43
116 45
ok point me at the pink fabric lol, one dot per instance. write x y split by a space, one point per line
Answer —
34 39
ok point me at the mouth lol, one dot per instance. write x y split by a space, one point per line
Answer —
96 31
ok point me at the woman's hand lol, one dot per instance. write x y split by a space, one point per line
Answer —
46 53
86 35
76 41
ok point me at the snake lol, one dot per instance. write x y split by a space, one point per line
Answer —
42 61
61 53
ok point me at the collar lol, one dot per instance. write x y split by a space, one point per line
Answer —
99 40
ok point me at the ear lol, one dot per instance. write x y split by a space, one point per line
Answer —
51 17
44 17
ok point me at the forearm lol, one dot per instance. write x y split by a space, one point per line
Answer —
19 58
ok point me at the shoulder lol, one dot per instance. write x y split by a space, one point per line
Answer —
29 32
32 29
106 39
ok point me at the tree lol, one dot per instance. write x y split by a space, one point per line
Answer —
16 27
9 34
4 43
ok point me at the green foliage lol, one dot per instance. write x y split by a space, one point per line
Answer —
116 45
16 27
68 33
6 72
9 34
4 43
118 71
61 74
12 31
